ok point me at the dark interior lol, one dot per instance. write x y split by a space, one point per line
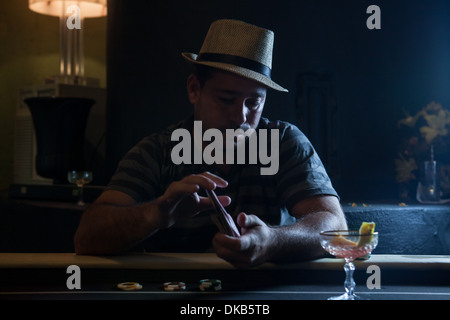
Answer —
348 88
348 85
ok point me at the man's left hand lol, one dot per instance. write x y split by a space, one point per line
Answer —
251 248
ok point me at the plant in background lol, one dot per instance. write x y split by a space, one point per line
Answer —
426 137
405 169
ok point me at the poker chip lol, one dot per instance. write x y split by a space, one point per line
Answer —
210 285
174 286
129 286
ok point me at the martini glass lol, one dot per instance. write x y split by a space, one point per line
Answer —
80 178
349 245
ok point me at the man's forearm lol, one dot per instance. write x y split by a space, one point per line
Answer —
110 229
301 241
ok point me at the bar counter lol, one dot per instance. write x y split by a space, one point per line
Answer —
45 276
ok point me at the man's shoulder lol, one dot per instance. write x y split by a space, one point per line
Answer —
286 129
266 123
164 136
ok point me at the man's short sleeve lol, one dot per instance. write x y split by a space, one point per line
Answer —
301 173
138 173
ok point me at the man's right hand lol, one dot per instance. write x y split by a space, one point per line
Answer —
181 199
115 222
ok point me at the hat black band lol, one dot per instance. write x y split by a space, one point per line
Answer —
237 61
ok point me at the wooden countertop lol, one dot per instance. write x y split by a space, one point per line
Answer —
190 261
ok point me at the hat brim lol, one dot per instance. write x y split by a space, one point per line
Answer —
247 73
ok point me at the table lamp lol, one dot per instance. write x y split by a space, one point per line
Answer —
71 18
60 121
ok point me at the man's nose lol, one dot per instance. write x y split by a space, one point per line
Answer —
239 113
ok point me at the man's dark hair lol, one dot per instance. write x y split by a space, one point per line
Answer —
203 73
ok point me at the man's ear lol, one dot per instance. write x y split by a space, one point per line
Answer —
193 88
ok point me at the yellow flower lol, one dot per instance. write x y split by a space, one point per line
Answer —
436 125
410 121
433 106
405 169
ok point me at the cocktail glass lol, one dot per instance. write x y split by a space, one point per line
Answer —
349 245
80 178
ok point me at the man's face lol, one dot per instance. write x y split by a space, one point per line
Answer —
227 101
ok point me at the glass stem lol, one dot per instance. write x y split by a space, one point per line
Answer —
80 195
349 283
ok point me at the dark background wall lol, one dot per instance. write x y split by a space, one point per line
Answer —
376 75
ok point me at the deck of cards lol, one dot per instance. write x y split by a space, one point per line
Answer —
221 218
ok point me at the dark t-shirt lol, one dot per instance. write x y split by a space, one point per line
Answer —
147 170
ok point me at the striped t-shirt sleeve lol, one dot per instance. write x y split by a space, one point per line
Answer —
139 171
302 173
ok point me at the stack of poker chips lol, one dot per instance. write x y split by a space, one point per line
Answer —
174 286
210 285
129 286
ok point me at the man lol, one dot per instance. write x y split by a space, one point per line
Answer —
154 203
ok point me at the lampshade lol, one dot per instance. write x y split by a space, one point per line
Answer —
88 8
71 36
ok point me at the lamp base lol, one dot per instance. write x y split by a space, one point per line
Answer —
59 124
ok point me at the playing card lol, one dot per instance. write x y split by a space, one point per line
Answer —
221 218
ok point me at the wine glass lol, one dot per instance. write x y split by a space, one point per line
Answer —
348 244
80 178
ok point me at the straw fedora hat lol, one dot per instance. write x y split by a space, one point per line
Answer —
238 47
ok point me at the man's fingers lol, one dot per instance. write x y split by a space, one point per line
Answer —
233 250
224 200
182 199
205 180
234 244
246 221
205 203
177 191
220 182
225 245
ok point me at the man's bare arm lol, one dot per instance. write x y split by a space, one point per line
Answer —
300 241
115 223
314 215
